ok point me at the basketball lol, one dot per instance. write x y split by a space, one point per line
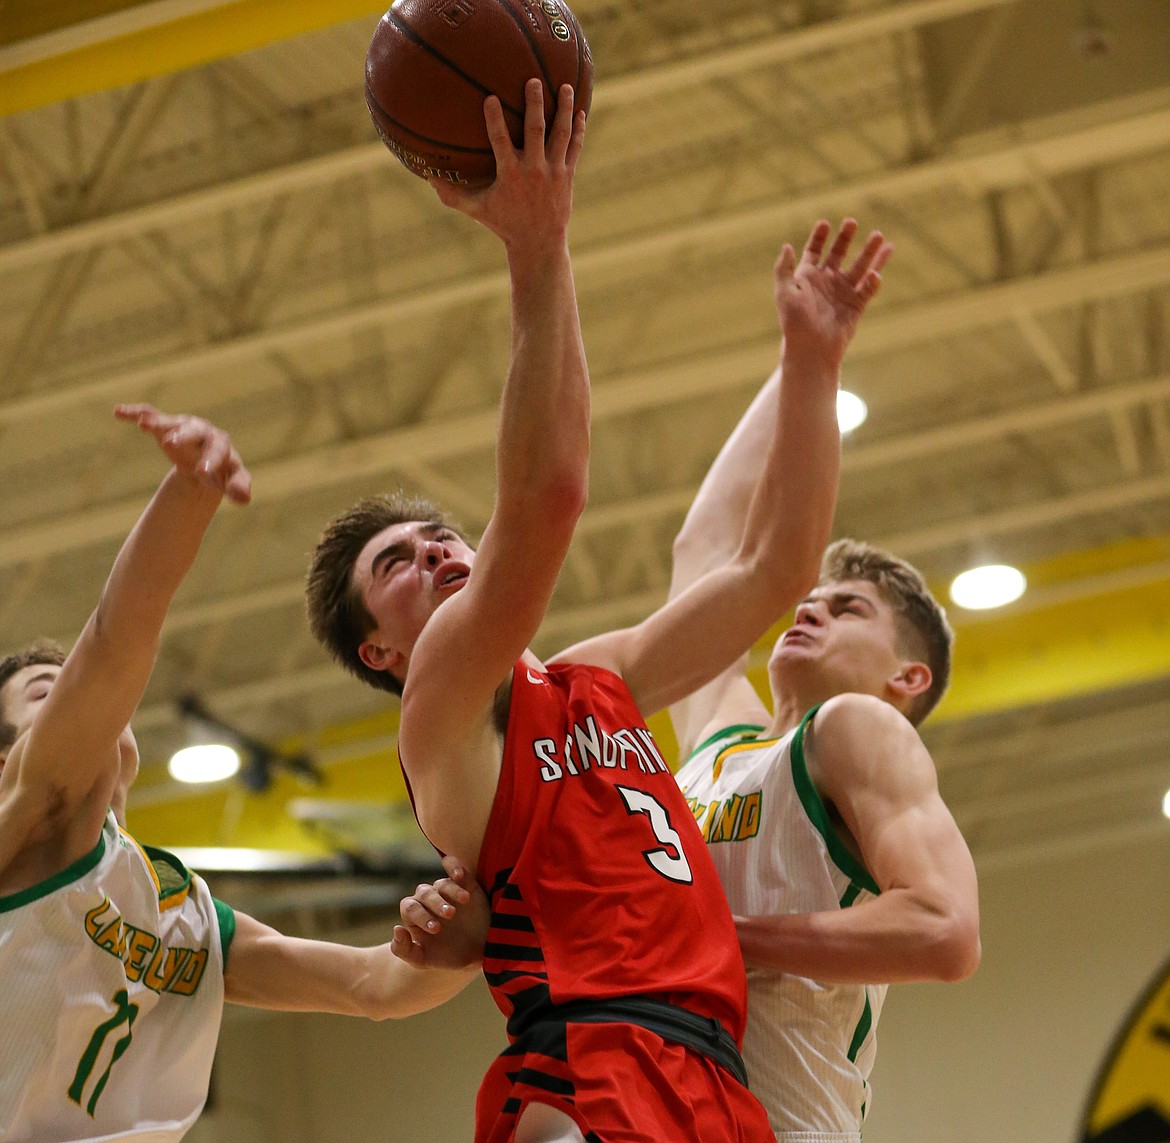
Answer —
432 63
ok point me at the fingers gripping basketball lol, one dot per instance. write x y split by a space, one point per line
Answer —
431 64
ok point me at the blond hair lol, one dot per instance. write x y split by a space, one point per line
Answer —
923 630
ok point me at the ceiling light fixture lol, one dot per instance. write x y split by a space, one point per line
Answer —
208 762
211 759
851 411
983 588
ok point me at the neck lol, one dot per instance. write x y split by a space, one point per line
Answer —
790 708
788 711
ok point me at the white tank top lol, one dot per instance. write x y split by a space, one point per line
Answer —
111 1000
809 1047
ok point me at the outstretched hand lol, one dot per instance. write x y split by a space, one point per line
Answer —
444 924
195 447
819 302
531 197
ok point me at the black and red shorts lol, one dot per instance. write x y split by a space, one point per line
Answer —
623 1082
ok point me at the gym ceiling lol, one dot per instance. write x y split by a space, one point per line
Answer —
194 211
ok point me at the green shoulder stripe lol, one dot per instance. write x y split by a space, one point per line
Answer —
739 730
69 874
819 815
227 926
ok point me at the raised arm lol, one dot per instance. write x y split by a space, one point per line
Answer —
798 398
266 969
787 442
709 537
765 508
871 767
542 458
59 778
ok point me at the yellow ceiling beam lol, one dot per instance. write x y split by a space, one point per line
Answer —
229 815
1090 621
35 20
1071 649
114 59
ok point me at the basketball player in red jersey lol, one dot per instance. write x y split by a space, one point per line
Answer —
611 948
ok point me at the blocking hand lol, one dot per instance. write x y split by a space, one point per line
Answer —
819 302
195 447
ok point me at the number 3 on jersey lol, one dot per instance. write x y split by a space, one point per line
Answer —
672 865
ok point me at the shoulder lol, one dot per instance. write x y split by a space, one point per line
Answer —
855 737
857 713
605 652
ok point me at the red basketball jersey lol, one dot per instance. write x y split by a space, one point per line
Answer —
598 877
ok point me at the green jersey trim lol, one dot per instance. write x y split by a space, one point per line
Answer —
69 874
738 730
173 876
227 926
861 1031
818 814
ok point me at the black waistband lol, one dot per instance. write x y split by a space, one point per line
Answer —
675 1024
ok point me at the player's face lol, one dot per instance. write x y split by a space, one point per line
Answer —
843 638
405 573
20 699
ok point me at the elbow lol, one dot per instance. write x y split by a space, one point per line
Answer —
959 951
793 587
778 584
551 502
807 577
801 571
689 545
377 1004
573 495
681 550
100 632
562 499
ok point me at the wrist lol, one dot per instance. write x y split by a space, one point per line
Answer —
193 488
537 253
814 366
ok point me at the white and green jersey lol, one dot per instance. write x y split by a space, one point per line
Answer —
111 998
809 1047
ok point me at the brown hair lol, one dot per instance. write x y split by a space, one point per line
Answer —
42 651
338 616
921 620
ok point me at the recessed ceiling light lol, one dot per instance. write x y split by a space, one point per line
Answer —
1166 804
991 586
851 411
211 763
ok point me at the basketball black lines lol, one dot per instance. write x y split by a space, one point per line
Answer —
432 63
